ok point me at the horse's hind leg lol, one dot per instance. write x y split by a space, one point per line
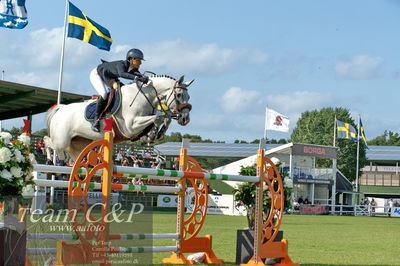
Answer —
76 146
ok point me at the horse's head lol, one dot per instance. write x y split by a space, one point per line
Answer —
176 96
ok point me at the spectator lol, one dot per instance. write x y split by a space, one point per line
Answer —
119 158
306 201
300 200
390 203
136 161
40 146
373 204
159 161
125 162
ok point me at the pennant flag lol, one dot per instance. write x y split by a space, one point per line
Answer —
27 126
362 135
13 14
276 121
83 28
346 131
109 124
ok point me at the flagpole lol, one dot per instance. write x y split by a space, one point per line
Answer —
358 156
60 85
334 133
62 53
265 126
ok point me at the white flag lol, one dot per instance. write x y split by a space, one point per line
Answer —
276 121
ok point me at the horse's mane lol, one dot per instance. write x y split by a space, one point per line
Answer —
162 76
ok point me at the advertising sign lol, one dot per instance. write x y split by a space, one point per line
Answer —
167 201
395 212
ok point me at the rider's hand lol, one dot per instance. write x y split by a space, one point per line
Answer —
144 79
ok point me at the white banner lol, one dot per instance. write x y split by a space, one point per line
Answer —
167 201
217 204
95 197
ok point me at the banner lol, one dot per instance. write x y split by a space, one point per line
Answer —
13 14
167 201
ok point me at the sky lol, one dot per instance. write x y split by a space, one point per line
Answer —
292 56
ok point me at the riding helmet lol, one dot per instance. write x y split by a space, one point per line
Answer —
134 53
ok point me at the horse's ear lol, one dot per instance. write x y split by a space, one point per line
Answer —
188 83
181 79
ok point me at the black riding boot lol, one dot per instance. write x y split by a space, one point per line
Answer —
99 108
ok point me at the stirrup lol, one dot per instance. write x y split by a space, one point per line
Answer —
96 125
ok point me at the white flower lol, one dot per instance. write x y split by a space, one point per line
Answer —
24 139
6 136
16 171
32 158
5 155
6 174
18 156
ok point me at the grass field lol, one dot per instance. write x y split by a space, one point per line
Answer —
313 240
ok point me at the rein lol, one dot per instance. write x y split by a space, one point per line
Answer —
164 108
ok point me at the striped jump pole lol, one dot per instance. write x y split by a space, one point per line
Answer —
149 236
149 173
116 187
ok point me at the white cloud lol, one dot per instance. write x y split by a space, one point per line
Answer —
359 67
237 100
299 101
179 56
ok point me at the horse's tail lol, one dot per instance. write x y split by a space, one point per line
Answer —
50 114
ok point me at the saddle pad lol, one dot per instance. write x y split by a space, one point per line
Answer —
90 110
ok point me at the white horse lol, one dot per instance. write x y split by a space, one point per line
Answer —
137 117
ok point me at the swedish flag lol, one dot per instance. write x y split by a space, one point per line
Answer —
83 28
362 135
346 131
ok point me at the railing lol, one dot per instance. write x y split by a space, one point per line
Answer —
351 210
309 173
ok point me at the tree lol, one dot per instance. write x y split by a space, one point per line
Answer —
388 138
316 127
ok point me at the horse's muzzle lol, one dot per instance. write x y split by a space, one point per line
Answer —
183 118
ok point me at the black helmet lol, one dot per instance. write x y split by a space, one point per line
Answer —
134 53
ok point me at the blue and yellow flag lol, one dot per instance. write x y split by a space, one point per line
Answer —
362 135
345 131
13 14
83 28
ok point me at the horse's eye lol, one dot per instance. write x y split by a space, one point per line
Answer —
179 95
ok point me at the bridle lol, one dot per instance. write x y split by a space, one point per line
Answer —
175 114
179 106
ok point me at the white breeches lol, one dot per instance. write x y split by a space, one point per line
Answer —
98 83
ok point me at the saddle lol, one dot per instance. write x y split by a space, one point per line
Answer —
114 101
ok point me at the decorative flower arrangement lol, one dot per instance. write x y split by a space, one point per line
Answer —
15 165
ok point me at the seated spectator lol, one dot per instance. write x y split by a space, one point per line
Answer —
300 200
306 201
136 161
159 161
153 165
137 181
40 146
119 158
125 162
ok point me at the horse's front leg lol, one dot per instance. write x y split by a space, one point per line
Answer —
141 123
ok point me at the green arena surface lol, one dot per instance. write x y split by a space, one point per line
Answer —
313 240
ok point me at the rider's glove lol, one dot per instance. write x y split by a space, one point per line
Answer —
144 79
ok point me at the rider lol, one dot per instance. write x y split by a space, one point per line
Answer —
107 73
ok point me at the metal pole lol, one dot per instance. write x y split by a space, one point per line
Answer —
334 133
358 156
2 75
60 85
